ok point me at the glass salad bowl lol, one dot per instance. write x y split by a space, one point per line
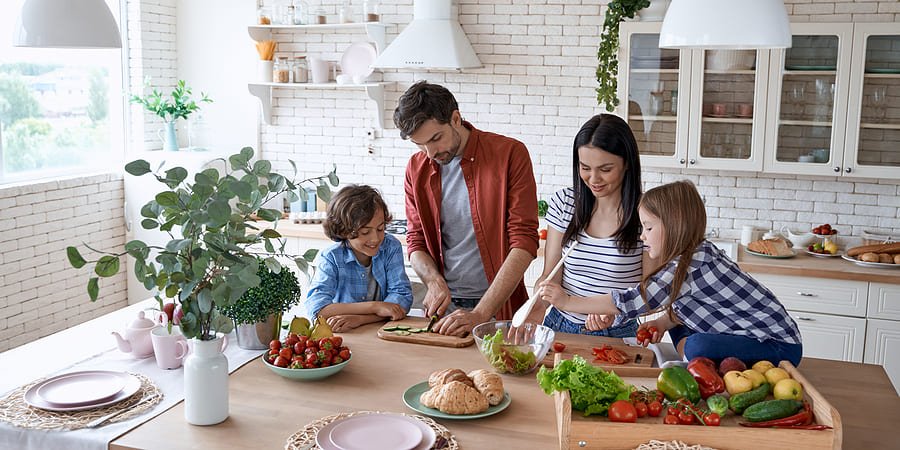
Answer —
514 354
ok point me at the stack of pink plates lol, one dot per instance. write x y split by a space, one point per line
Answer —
76 391
380 431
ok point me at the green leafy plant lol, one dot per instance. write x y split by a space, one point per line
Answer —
276 293
542 208
179 107
211 259
607 59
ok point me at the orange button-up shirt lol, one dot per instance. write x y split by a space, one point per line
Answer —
502 197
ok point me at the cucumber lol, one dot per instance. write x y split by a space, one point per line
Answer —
771 410
740 402
416 330
401 333
390 329
402 327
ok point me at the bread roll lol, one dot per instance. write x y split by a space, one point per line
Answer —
885 258
897 258
771 247
442 377
893 248
869 257
489 384
454 398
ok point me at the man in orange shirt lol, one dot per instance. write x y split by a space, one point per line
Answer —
471 211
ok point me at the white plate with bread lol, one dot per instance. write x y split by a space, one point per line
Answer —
771 248
885 256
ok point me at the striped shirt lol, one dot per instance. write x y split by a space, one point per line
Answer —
596 266
716 297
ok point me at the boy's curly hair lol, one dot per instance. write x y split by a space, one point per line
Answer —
351 209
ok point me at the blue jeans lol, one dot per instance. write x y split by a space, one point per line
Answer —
557 322
720 346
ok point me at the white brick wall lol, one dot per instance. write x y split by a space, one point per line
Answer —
538 86
39 292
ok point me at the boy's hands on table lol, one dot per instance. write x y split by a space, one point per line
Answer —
346 322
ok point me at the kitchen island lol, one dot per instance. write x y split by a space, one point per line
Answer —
266 409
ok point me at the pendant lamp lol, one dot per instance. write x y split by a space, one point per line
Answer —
66 24
726 24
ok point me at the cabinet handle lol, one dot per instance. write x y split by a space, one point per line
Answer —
805 294
693 161
681 161
837 169
807 319
848 170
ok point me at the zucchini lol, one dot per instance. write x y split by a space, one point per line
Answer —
740 402
771 410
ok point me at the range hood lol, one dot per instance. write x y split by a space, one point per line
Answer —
433 40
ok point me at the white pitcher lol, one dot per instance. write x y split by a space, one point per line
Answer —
206 383
319 69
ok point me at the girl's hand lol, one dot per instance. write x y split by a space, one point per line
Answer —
597 322
552 292
345 322
391 310
651 331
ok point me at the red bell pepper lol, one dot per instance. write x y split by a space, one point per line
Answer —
708 380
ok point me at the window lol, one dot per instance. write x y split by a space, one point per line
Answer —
61 110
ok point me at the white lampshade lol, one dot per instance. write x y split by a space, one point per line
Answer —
726 24
66 24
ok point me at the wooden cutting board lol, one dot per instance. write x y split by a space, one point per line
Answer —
423 338
582 345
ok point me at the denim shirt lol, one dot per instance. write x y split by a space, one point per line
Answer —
340 278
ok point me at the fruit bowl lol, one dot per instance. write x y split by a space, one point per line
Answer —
513 358
317 373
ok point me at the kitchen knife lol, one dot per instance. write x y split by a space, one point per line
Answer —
431 322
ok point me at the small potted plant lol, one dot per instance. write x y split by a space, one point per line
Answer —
257 314
607 54
180 106
211 260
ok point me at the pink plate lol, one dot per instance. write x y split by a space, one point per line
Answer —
131 384
376 431
81 388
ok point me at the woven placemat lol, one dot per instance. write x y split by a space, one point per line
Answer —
14 410
305 439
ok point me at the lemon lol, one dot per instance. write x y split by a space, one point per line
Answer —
300 326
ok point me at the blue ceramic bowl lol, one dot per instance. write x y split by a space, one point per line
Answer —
306 374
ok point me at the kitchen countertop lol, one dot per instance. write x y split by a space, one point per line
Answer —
265 409
811 266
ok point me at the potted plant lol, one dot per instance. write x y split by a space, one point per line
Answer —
257 314
211 259
180 106
607 59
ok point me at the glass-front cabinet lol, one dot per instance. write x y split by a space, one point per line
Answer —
872 147
808 101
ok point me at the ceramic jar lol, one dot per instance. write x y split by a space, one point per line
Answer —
206 383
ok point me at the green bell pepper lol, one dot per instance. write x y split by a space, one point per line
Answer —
676 382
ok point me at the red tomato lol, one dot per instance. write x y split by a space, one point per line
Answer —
686 418
337 341
641 409
643 335
282 362
622 411
672 411
558 347
275 344
712 419
653 330
286 353
670 420
543 234
654 408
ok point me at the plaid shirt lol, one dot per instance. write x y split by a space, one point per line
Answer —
716 297
340 278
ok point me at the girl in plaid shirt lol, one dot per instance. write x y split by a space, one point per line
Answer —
360 279
711 307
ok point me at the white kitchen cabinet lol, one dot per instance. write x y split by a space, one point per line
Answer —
883 347
825 336
884 301
820 295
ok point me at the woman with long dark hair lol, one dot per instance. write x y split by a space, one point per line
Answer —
599 213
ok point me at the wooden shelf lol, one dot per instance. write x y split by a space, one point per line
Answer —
731 72
374 30
881 75
814 73
671 118
805 123
880 126
263 91
744 120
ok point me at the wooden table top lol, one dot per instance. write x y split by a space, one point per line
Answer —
266 409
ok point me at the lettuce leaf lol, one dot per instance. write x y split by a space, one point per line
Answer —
591 388
506 358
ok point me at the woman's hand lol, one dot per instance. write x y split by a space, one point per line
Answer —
597 322
553 293
391 310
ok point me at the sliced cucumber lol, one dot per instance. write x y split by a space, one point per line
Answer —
402 327
401 333
390 328
416 330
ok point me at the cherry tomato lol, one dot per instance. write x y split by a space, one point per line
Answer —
712 419
672 411
654 408
643 335
275 344
558 347
653 330
543 234
670 420
641 408
622 411
686 418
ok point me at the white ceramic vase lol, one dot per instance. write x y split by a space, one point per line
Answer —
206 383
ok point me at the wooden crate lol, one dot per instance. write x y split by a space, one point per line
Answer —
579 432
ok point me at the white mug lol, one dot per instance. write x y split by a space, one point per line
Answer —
749 233
319 69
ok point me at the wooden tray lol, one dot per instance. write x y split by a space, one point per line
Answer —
439 340
640 358
598 432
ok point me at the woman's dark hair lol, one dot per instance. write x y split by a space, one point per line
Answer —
612 135
351 209
423 101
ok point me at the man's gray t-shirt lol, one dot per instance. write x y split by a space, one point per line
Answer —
463 267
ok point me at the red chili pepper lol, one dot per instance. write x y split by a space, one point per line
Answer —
803 427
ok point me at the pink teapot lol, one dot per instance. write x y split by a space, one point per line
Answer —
137 339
